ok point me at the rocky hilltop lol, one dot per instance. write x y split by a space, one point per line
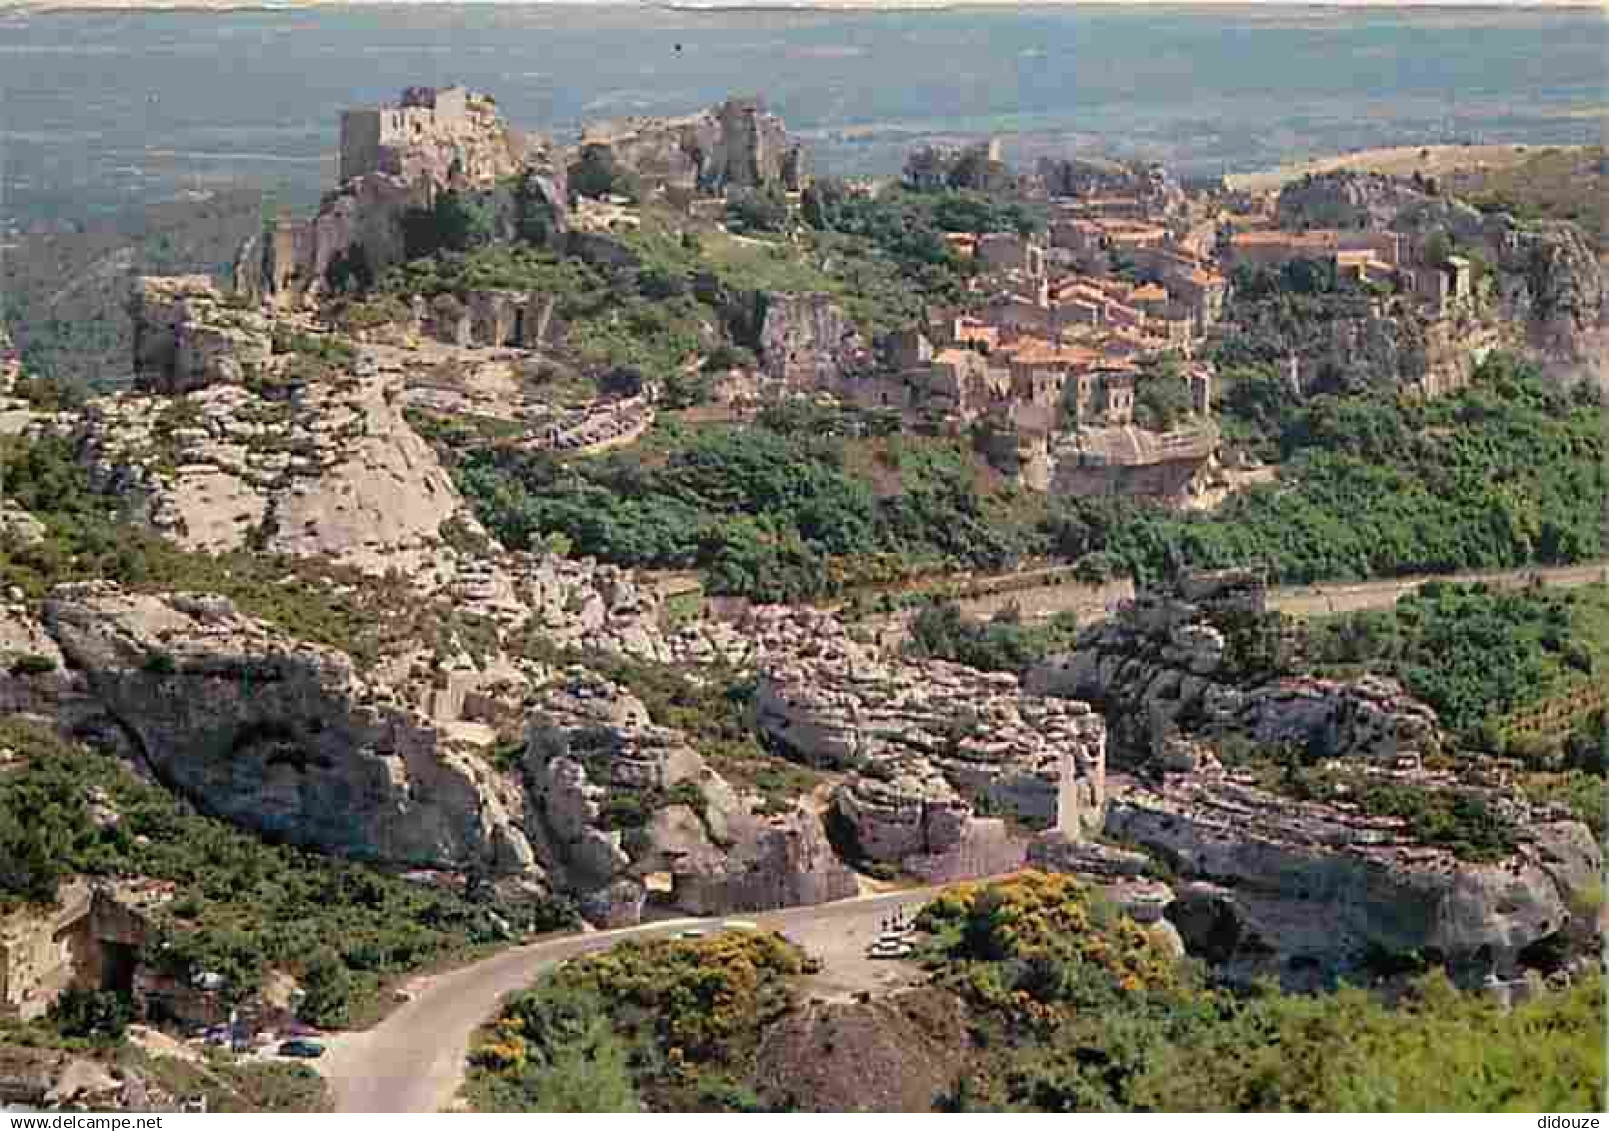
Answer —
736 145
1549 279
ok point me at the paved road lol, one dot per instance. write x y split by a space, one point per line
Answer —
1343 597
413 1061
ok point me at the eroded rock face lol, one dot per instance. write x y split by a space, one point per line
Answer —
358 228
616 799
1564 294
807 341
1346 198
280 736
738 144
1164 665
329 468
186 339
927 743
1317 885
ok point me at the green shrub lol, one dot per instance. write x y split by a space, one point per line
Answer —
32 664
92 1014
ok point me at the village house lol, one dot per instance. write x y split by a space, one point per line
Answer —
1010 252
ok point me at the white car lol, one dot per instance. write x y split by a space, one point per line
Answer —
890 948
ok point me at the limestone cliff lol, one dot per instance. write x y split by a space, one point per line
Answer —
616 800
295 452
933 747
808 342
1304 884
278 735
1187 661
738 144
1296 884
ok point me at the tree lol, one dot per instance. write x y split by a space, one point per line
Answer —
757 210
822 202
597 174
33 848
328 985
456 222
1162 398
92 1014
533 211
589 1074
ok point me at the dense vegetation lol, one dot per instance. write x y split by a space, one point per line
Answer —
1509 472
1475 654
241 906
909 228
763 513
668 1021
1093 1020
1003 643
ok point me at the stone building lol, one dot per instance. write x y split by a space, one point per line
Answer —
87 940
439 134
1010 252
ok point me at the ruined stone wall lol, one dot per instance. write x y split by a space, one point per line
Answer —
808 342
39 952
738 144
434 134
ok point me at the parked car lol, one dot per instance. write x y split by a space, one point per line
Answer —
693 933
890 948
302 1049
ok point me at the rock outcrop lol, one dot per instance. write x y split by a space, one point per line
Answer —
1550 281
616 799
321 465
185 338
278 735
1320 886
1562 296
808 342
1172 662
929 745
738 144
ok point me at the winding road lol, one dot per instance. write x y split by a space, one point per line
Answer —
414 1060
